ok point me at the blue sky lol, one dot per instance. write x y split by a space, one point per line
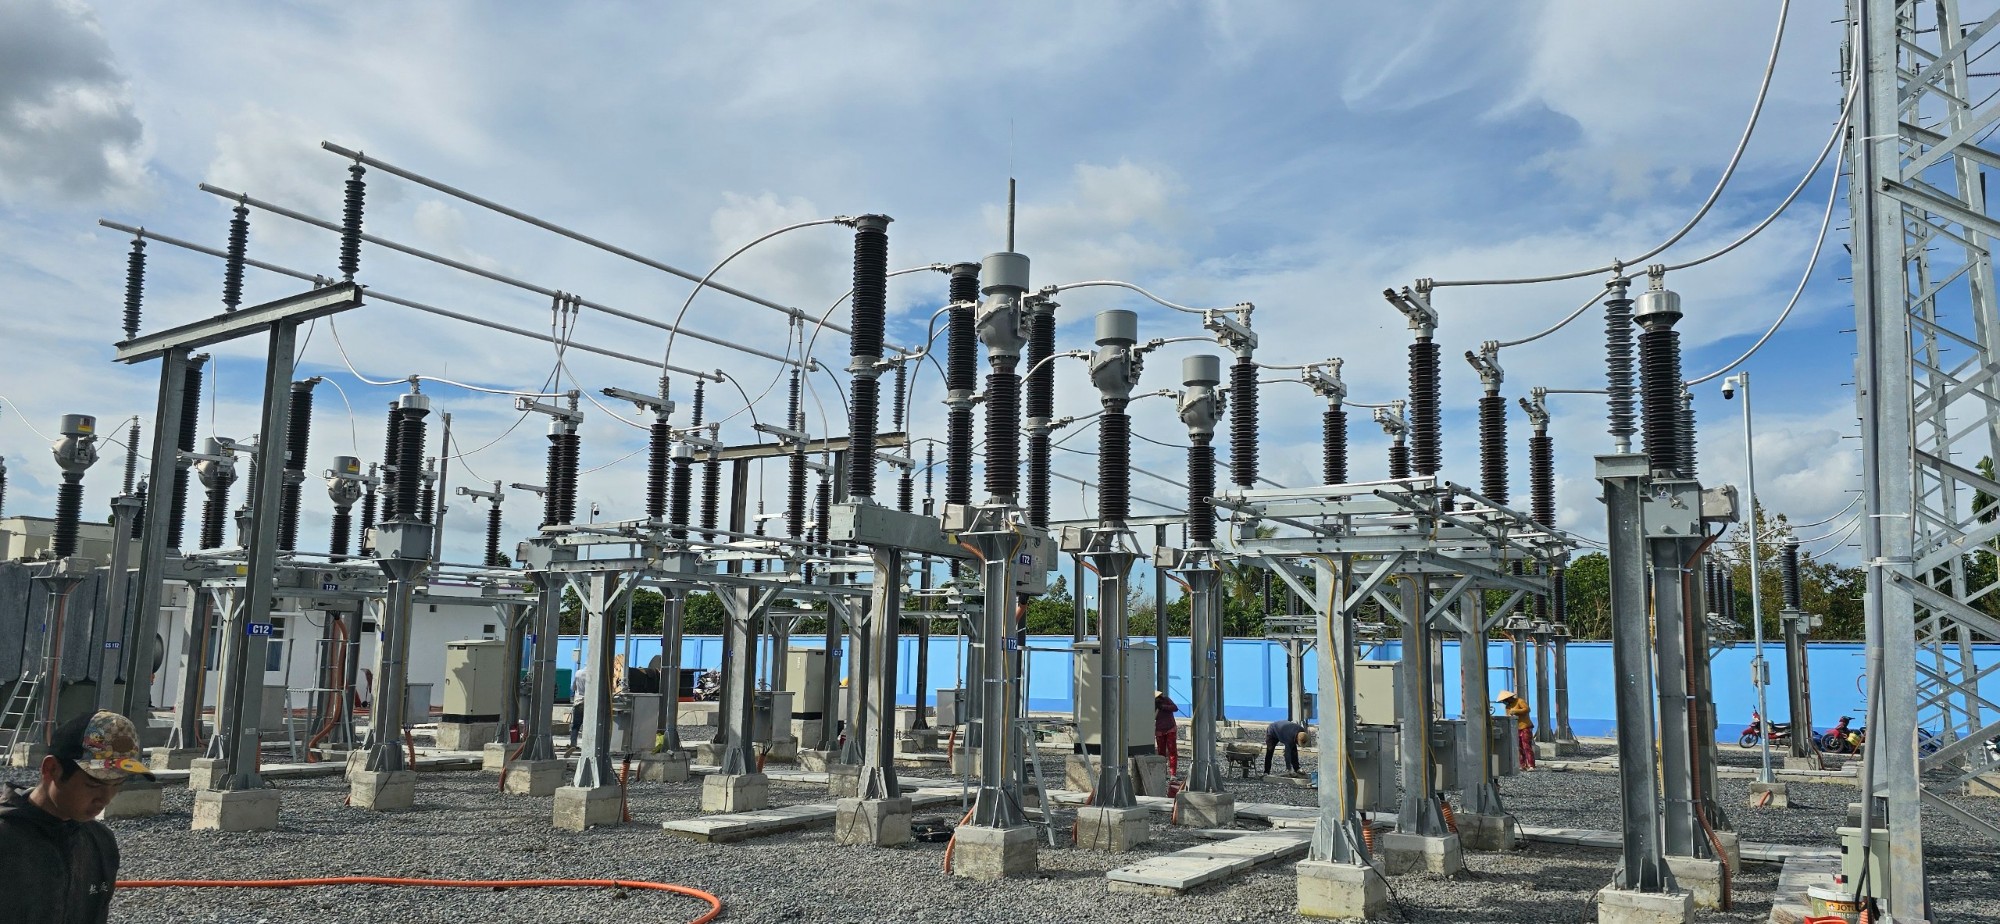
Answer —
1302 156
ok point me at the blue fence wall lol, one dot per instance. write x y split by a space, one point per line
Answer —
1253 673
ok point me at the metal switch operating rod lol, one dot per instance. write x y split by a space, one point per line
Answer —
381 296
302 217
794 313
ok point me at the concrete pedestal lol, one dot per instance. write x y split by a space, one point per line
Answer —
1732 850
579 807
735 792
709 753
1205 809
534 777
1112 830
494 756
987 854
918 741
1809 762
170 758
1488 832
1554 750
382 790
208 774
1225 731
1621 906
806 733
875 822
238 810
1701 878
138 798
1149 774
815 761
1778 794
783 749
965 761
1341 890
1403 854
1985 785
26 754
843 781
664 767
466 736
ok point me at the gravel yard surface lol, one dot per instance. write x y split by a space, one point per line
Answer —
463 828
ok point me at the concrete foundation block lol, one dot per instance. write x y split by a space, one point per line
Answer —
1986 785
138 798
1149 774
1769 795
382 790
493 757
709 753
357 761
1732 850
466 736
873 822
843 781
1553 750
534 777
1205 809
1488 832
1341 890
806 733
208 774
1701 878
987 854
918 741
581 807
26 754
1808 762
1403 854
1113 830
1228 733
815 760
964 761
1622 906
664 767
236 810
170 758
735 792
784 750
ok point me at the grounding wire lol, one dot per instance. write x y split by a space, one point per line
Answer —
1763 88
471 269
1819 242
379 295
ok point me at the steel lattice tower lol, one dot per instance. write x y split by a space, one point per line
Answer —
1930 408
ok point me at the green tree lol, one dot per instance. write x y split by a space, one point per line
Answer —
1587 596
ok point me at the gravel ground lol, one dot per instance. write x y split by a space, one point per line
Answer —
462 828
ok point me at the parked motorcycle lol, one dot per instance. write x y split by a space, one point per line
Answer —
1844 738
1777 733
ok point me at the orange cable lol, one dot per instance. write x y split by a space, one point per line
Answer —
714 903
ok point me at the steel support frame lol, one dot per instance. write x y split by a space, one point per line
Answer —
1643 865
997 804
136 702
600 595
745 606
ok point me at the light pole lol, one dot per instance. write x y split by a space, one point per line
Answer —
1759 672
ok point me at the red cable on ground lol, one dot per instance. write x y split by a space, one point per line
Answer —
714 904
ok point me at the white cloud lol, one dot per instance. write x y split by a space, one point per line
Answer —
68 128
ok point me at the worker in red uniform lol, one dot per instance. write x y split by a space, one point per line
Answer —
1166 734
1524 727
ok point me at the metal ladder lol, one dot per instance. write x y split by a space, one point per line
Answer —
21 711
1028 739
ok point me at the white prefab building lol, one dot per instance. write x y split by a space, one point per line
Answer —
293 656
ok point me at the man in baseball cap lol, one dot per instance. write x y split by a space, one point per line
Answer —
61 861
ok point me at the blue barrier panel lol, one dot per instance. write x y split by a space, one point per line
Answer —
1253 671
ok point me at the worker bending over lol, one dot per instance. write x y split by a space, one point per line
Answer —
1290 734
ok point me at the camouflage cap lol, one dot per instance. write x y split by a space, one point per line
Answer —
105 745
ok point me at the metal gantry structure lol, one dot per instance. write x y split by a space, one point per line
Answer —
1929 335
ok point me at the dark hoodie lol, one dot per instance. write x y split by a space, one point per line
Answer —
53 871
